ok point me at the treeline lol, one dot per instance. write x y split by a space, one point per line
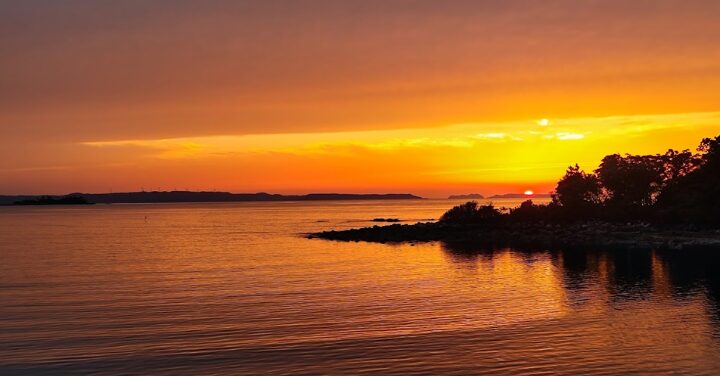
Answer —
71 199
674 187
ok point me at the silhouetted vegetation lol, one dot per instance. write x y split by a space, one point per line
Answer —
670 188
471 213
675 187
669 200
578 192
53 200
694 196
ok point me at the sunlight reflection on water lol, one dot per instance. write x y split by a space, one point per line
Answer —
234 288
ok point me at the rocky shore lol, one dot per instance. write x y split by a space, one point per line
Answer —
537 235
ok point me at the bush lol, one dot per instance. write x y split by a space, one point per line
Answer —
529 212
471 213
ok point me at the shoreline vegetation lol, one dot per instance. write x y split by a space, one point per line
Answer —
661 201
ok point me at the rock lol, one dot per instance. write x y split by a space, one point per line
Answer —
595 234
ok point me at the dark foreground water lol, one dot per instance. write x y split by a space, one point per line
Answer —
233 289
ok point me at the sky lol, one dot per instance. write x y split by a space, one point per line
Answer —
297 96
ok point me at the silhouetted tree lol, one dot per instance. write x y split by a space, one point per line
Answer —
631 182
694 197
578 193
677 164
471 213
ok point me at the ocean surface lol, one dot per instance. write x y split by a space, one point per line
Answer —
234 288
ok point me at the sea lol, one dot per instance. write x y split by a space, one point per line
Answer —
237 289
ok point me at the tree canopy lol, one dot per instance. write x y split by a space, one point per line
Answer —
674 187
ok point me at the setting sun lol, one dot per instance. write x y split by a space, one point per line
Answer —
528 193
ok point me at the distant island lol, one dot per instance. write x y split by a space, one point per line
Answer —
521 195
477 196
190 196
471 196
660 201
51 200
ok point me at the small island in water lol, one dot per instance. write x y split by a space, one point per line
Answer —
471 196
660 201
521 195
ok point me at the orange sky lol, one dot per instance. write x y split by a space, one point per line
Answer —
427 97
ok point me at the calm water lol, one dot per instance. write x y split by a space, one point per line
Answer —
233 289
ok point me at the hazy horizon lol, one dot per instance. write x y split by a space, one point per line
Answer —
379 192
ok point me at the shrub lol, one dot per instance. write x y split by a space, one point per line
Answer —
471 213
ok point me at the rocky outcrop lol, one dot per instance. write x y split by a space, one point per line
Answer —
590 234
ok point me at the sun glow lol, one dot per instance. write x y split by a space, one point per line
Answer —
528 193
499 157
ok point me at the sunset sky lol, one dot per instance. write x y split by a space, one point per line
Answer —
426 97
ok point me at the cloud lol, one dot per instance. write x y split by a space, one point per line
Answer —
162 70
458 136
569 136
491 135
448 156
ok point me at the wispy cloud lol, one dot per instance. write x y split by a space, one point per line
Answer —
458 136
564 136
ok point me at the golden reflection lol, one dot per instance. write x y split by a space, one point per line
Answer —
531 288
633 289
212 277
660 276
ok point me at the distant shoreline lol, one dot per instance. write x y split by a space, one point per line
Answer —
190 196
522 195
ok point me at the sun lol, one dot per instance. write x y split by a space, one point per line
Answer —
528 193
543 122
